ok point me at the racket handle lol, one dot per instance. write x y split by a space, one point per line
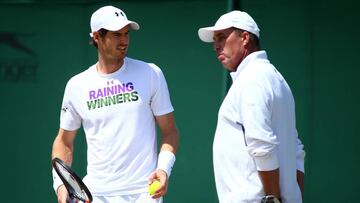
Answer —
70 200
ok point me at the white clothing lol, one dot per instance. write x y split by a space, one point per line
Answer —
137 198
256 132
117 113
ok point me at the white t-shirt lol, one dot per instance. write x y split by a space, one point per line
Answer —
256 131
117 113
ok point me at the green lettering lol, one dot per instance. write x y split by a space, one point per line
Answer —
103 102
111 100
91 104
134 96
127 97
119 98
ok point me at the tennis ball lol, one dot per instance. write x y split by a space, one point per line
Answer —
153 187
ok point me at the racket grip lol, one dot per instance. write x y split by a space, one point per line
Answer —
70 200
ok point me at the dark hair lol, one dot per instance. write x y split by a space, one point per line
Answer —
102 32
253 38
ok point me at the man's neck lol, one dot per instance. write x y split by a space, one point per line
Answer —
109 66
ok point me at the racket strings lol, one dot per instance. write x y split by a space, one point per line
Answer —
73 183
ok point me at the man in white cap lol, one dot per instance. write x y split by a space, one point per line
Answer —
257 154
118 101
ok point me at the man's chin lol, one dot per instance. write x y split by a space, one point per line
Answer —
228 67
122 55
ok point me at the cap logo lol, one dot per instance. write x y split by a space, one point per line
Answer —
117 14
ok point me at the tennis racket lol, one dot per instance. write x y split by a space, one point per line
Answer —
76 188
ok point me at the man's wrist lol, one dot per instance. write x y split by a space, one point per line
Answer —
57 181
166 161
270 199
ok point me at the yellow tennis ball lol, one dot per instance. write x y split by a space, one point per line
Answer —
153 187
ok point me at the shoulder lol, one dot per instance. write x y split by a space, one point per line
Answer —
81 77
259 75
135 62
260 70
142 65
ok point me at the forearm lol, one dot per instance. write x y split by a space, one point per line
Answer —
63 146
170 141
62 151
169 133
270 182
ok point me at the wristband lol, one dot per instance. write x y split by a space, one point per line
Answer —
57 181
166 161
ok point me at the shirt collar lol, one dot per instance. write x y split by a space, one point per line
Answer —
247 60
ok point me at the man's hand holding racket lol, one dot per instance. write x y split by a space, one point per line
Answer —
63 195
73 190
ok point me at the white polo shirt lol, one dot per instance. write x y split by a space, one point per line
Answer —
256 131
117 113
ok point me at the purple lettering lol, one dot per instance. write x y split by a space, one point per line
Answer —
92 95
121 88
99 93
110 91
129 86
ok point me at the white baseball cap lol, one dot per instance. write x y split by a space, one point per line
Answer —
237 19
110 18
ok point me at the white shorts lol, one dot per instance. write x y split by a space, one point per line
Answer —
136 198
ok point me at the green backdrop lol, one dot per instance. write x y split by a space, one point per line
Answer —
313 43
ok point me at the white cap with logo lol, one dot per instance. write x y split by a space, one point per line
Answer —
110 18
237 19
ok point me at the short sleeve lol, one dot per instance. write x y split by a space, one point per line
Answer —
160 100
69 118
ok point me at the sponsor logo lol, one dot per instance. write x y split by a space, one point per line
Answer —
18 62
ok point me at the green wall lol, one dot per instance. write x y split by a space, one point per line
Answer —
54 46
313 43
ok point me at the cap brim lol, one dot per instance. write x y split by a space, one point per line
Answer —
134 25
114 26
206 34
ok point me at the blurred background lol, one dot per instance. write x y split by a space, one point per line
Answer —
313 43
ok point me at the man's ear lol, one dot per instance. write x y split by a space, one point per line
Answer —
96 37
245 37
